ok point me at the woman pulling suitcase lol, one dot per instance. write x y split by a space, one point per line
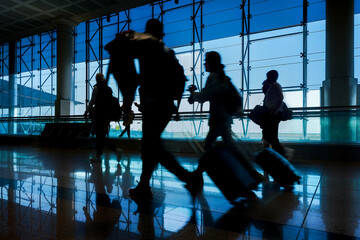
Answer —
220 119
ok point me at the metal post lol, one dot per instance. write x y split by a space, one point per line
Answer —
305 63
245 58
101 44
12 86
245 51
87 61
52 62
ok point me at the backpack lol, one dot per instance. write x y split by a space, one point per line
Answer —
106 105
114 110
123 68
233 100
174 72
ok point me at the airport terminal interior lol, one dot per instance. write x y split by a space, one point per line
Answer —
53 187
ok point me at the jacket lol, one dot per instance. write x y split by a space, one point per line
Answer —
212 92
274 98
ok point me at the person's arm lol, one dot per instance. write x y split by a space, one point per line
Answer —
92 101
212 87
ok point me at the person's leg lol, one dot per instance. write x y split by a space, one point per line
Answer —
270 134
242 154
152 149
123 132
153 144
213 134
277 146
150 145
193 180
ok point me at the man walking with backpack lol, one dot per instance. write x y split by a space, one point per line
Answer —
159 88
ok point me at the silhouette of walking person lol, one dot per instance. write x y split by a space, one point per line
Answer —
100 98
156 100
220 119
273 101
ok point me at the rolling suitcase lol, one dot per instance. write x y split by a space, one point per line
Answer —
229 174
277 167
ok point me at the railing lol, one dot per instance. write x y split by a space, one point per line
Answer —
308 124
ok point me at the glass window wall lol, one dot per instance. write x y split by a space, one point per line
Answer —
274 37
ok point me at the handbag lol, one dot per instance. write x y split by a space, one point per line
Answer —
287 113
257 115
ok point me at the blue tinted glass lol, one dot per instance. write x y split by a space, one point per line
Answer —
357 6
316 10
94 40
80 45
271 14
178 27
139 17
280 53
221 19
110 19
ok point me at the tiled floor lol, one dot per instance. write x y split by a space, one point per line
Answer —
58 194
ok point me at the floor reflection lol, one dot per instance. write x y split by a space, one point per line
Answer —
107 212
59 194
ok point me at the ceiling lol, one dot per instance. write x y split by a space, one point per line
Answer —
21 18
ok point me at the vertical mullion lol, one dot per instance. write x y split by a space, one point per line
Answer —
32 75
73 70
101 62
304 55
87 54
52 70
40 69
20 78
305 63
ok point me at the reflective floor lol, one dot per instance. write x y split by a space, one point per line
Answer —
58 194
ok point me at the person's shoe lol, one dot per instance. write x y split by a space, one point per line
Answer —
141 191
195 183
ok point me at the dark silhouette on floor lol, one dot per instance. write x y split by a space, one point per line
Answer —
107 212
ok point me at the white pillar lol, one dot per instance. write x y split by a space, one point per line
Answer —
340 86
64 101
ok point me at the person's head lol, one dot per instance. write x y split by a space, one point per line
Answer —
100 78
213 62
272 76
155 28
